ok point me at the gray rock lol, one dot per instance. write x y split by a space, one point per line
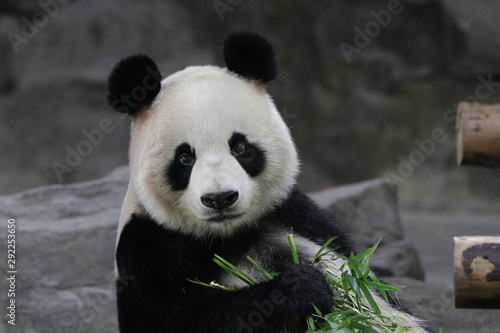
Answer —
369 211
66 239
65 248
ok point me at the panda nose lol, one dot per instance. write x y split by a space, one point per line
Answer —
219 200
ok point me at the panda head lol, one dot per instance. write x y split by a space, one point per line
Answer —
209 152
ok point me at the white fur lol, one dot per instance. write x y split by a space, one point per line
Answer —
128 208
204 106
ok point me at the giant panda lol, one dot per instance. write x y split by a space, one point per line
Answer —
213 171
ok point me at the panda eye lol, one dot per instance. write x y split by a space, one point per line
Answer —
186 159
238 149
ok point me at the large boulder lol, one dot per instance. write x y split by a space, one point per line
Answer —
65 243
66 240
369 211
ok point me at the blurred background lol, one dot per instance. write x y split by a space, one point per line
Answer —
361 82
369 88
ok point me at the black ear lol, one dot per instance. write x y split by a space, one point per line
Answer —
133 84
251 56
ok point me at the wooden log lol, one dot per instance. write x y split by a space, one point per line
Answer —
478 134
477 272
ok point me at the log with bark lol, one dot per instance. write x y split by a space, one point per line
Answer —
478 134
477 272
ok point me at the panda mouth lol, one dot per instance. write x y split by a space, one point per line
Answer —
223 217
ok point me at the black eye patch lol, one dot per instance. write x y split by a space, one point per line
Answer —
178 173
249 155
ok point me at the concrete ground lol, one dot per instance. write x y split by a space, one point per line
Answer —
432 234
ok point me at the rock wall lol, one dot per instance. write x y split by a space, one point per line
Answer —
369 87
66 239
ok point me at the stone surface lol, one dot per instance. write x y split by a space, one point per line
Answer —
66 239
353 117
65 245
435 303
369 211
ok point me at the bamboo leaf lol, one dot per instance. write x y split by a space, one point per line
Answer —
363 328
319 254
260 268
212 284
370 299
311 326
234 270
293 248
400 329
317 310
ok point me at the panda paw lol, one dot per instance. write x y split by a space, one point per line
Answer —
306 285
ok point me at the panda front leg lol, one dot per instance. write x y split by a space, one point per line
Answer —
272 306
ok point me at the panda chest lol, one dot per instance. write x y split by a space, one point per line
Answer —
272 253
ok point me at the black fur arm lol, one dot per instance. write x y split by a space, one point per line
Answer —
299 212
267 307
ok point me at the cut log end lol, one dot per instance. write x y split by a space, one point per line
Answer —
477 272
478 134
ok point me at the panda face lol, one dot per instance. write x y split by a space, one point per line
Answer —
211 154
